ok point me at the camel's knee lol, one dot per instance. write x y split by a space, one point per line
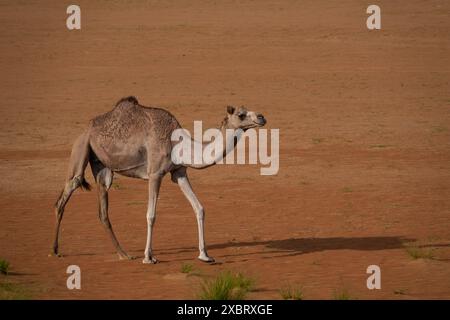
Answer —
151 215
72 184
200 213
69 188
151 220
76 182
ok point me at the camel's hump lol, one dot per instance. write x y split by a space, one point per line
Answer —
129 118
125 115
131 100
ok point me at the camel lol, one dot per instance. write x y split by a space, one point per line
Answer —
135 141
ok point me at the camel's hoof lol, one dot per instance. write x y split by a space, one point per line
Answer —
206 259
57 255
150 261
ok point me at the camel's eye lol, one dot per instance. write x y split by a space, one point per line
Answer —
242 116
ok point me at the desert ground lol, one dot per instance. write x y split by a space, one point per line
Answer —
364 124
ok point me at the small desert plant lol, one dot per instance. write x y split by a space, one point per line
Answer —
187 268
226 286
317 140
342 294
439 129
290 292
400 291
4 266
10 291
416 252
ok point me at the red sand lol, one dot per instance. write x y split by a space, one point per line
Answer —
364 131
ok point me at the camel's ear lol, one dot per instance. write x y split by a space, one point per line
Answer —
230 109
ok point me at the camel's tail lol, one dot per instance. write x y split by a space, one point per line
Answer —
85 185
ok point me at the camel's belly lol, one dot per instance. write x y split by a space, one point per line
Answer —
120 157
139 172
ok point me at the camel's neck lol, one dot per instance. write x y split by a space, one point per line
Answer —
216 149
231 138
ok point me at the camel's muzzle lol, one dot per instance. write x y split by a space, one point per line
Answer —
260 120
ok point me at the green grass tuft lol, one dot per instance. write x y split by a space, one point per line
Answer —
292 292
400 291
342 294
226 286
317 140
438 129
4 266
11 291
187 268
416 252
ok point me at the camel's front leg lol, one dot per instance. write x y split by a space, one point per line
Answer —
185 186
154 182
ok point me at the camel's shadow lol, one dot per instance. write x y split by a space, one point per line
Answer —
308 245
294 246
300 246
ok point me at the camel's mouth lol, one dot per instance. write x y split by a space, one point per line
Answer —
255 125
261 122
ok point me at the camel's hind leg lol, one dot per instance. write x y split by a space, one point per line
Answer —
104 178
70 187
78 162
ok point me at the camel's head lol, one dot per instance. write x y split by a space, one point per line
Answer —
241 118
